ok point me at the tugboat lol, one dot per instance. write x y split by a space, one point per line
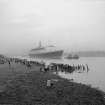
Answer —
70 56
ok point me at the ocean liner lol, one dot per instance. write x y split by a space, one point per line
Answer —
46 52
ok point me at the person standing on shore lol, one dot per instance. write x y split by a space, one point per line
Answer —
9 63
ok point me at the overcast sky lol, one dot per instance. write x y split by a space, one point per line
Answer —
68 24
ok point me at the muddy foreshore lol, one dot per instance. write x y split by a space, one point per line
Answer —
22 86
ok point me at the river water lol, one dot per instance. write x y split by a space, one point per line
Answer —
96 75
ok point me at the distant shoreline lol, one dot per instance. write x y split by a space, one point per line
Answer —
88 53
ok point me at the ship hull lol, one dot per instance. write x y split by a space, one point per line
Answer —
50 55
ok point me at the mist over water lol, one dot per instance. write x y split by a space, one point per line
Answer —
73 25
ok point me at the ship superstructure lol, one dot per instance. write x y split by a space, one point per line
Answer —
46 52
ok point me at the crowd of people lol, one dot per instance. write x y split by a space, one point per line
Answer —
53 67
67 68
25 62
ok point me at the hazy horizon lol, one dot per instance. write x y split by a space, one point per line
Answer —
73 25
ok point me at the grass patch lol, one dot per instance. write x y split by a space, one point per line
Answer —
30 89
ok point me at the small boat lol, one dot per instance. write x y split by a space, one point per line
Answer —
70 56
